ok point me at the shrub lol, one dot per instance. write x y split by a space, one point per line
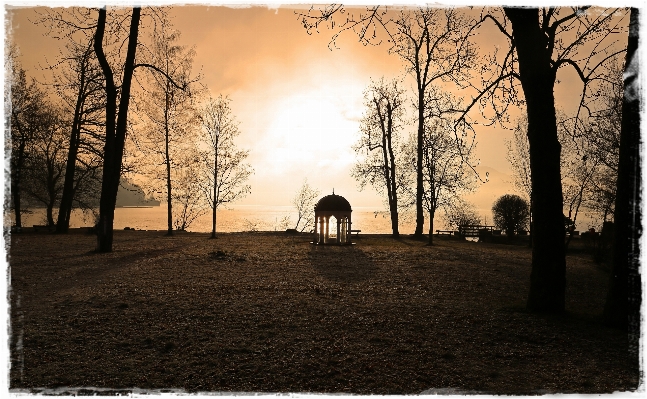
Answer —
511 213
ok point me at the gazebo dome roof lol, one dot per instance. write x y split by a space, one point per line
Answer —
333 202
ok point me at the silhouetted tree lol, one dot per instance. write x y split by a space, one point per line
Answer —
379 136
461 213
45 166
622 308
540 42
446 157
433 43
510 213
79 85
188 195
27 118
596 135
518 156
116 124
579 171
226 171
169 112
78 81
116 120
304 201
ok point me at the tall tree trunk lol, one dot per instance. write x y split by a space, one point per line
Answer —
431 228
392 176
388 159
394 217
215 190
115 132
65 207
50 213
15 193
548 276
15 185
420 216
17 163
622 308
167 155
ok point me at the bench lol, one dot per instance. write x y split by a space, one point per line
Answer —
450 232
475 230
355 231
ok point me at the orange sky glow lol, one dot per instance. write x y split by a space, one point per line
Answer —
298 103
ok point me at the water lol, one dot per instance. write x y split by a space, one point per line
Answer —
240 218
248 218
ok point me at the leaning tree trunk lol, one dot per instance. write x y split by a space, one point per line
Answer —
548 276
65 207
115 132
622 308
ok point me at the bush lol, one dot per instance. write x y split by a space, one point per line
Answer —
511 213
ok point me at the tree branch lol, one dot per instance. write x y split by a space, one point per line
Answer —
169 78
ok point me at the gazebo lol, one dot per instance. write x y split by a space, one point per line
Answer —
337 207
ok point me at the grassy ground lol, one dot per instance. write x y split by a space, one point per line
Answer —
269 312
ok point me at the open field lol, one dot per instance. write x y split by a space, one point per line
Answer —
268 312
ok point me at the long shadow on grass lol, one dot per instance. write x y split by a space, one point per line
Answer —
341 264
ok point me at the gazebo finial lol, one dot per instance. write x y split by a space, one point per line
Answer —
333 191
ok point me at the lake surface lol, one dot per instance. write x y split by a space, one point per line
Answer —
240 218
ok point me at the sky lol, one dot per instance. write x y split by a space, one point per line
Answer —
298 102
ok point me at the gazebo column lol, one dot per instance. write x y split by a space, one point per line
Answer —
327 229
338 231
321 230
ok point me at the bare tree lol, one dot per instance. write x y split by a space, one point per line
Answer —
169 112
78 81
304 201
622 308
79 84
586 166
435 48
226 171
26 120
596 135
447 157
578 169
188 196
461 213
434 44
579 172
379 137
518 156
116 124
116 113
45 166
541 41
